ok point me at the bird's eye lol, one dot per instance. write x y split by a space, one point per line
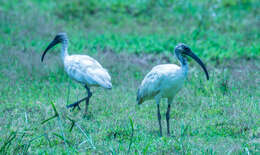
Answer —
185 48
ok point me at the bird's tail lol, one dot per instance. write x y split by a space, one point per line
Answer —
107 85
139 98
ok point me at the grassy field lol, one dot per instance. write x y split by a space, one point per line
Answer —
219 116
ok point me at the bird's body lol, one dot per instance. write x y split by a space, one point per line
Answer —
165 81
82 68
87 71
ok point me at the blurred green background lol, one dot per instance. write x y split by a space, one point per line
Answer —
214 29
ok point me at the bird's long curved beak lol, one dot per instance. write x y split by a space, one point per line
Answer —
53 43
197 59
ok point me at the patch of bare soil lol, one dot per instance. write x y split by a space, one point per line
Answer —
242 71
236 66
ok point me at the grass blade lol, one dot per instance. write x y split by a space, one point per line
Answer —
7 143
56 114
132 134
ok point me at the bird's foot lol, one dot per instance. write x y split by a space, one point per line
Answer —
85 115
88 115
74 105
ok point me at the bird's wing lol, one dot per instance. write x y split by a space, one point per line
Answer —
151 83
87 70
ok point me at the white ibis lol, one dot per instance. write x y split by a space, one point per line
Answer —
165 81
81 68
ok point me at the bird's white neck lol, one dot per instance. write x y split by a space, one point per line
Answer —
184 67
184 63
64 49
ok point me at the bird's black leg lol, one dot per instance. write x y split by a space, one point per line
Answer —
76 104
167 119
87 99
159 118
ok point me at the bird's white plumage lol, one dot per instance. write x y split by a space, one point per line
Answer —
87 70
81 68
163 81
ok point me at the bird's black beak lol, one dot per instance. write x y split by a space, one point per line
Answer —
197 59
52 44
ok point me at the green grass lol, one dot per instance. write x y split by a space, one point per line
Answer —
219 116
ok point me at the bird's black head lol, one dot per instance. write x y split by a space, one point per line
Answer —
59 38
182 49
